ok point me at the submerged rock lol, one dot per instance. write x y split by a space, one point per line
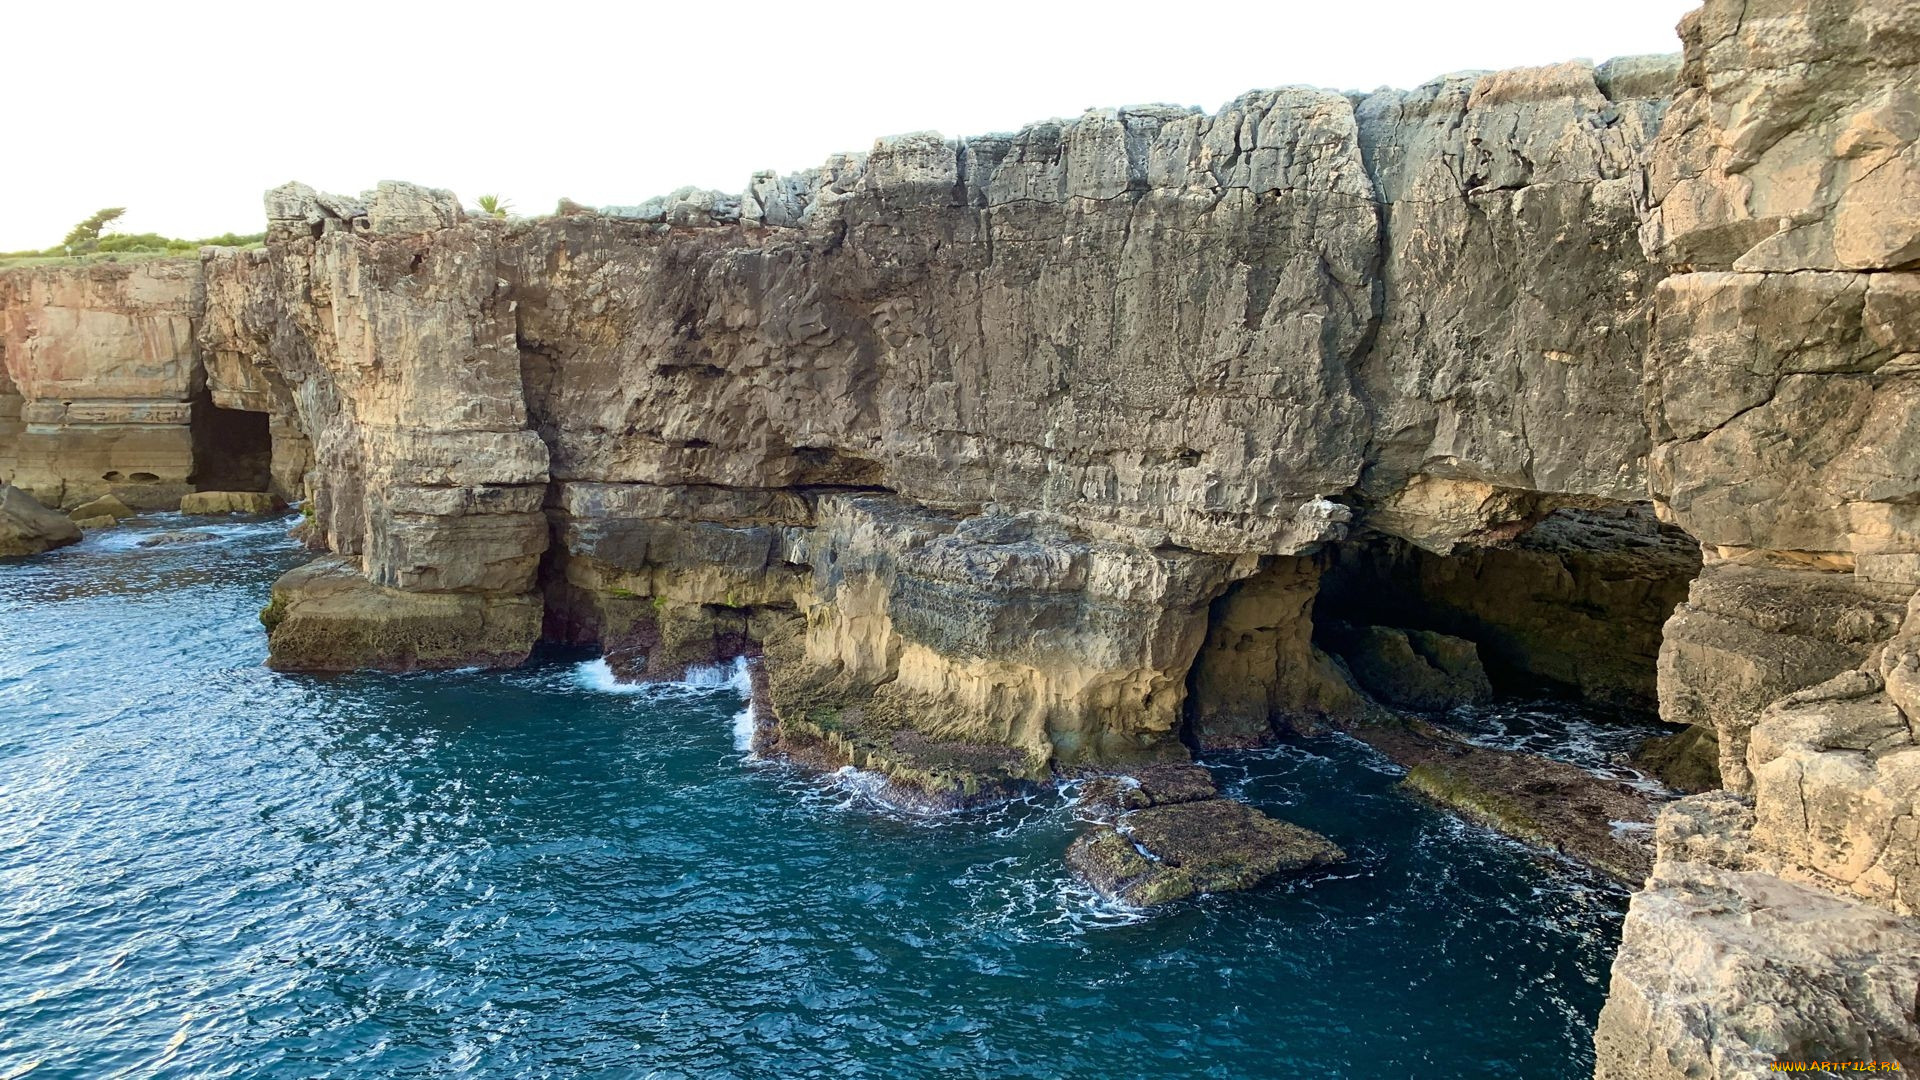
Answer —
29 528
1602 823
231 502
1170 852
183 536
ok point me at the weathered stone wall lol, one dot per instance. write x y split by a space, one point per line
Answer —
102 358
1782 382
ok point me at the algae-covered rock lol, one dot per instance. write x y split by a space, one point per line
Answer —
1550 804
29 528
104 506
231 502
104 521
1153 785
1170 852
325 617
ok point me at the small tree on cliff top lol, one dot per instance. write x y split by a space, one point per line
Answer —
88 232
494 206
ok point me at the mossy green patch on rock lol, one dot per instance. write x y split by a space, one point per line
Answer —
1550 804
1456 790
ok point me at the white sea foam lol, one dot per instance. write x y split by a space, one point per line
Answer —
597 675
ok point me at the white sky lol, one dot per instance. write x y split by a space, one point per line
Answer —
185 112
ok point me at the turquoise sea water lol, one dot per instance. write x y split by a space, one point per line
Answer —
208 869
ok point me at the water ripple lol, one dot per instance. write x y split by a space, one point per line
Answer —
209 869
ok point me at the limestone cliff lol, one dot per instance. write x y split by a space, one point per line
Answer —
1149 430
1048 394
1782 383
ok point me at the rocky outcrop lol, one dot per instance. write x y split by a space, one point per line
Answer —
947 364
1724 969
1749 635
231 502
1781 383
1417 670
107 388
326 616
28 528
1180 847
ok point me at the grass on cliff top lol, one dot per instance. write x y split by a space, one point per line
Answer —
132 247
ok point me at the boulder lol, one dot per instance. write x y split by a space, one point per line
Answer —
104 506
232 502
28 528
325 617
1170 852
104 521
1686 761
1421 670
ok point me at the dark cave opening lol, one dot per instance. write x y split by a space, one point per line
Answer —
232 448
1573 607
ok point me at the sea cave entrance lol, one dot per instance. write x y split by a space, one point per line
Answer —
232 448
1572 607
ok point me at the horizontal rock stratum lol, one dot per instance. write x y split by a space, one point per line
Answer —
1032 452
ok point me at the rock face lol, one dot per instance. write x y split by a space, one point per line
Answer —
921 399
1724 969
1782 383
102 359
1075 447
28 528
105 389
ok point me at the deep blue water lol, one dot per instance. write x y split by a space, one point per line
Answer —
209 869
